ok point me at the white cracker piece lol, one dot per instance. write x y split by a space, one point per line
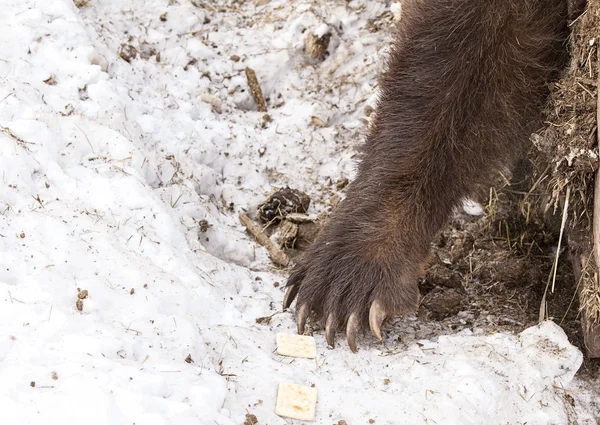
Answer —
296 401
296 345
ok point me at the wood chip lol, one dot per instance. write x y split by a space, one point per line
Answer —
316 46
293 345
296 401
255 90
317 122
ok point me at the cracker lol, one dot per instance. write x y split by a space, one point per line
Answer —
296 345
296 401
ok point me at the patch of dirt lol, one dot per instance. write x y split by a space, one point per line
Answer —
250 419
440 303
490 272
281 203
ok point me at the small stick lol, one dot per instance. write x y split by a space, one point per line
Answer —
277 255
596 212
255 90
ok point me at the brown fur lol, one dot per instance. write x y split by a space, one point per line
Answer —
464 87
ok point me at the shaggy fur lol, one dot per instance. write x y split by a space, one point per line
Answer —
465 84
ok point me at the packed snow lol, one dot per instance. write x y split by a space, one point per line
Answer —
129 290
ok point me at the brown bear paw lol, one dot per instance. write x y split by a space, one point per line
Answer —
351 287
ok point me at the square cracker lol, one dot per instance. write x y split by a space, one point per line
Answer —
296 345
296 401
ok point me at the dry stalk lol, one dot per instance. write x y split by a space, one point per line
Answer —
552 277
596 212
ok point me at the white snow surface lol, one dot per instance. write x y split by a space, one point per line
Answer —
108 166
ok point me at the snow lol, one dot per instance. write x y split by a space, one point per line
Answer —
472 207
108 167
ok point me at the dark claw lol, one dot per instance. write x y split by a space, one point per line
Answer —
290 294
376 317
351 331
330 329
302 316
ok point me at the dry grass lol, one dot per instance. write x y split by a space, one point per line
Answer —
569 147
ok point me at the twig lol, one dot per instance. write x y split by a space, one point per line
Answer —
596 211
277 255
